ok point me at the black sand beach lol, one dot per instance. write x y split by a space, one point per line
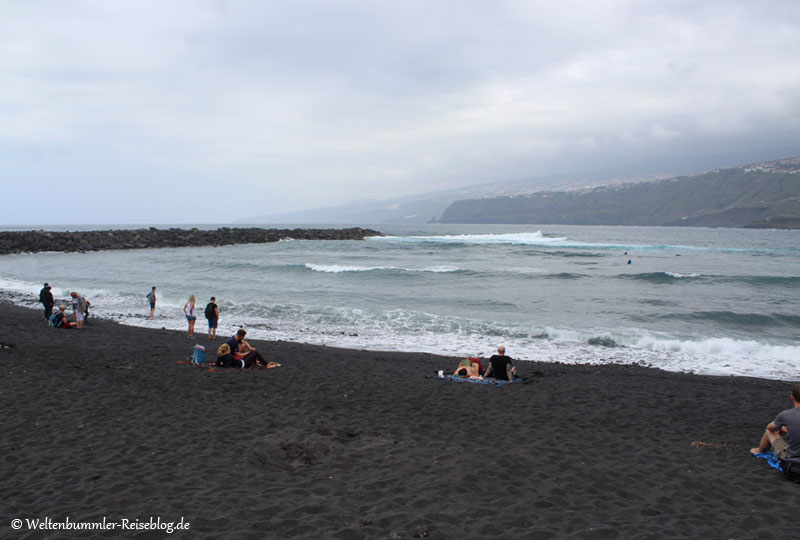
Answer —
105 423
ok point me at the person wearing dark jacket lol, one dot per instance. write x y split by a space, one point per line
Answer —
46 298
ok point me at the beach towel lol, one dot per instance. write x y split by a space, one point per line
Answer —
771 458
490 382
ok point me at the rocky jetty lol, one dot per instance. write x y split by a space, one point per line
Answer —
35 241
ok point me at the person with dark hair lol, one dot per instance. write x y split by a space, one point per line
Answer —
783 433
151 297
212 314
46 298
237 343
501 367
469 367
242 352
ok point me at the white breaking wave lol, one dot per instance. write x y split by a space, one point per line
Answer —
338 268
678 276
539 239
415 331
535 238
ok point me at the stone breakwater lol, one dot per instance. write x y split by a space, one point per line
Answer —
34 241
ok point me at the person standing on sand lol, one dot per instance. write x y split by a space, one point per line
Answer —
151 296
46 298
212 314
78 308
783 433
191 316
501 366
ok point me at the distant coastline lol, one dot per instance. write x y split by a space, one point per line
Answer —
116 239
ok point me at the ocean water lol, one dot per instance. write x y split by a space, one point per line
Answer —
711 301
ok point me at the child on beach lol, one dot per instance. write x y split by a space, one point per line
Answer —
151 297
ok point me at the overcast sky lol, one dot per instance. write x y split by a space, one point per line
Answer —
212 110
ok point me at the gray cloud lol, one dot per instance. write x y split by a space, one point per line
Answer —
210 110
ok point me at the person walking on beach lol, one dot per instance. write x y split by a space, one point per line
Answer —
191 316
783 433
212 314
501 367
78 308
151 296
46 298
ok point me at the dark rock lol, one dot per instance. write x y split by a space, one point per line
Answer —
34 241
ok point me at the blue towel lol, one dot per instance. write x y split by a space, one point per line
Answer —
491 382
771 458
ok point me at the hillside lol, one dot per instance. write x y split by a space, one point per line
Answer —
759 195
426 207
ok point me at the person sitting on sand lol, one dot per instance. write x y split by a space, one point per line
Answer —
227 358
237 343
59 319
469 367
783 433
501 367
243 350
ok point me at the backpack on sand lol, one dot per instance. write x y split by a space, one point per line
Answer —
199 355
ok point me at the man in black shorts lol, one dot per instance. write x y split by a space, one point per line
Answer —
501 367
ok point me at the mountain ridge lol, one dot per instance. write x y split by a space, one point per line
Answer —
765 194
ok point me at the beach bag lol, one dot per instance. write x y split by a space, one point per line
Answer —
199 355
791 470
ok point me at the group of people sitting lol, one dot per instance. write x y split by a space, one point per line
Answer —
237 353
500 367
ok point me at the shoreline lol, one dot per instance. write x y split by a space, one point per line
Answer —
105 422
31 303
